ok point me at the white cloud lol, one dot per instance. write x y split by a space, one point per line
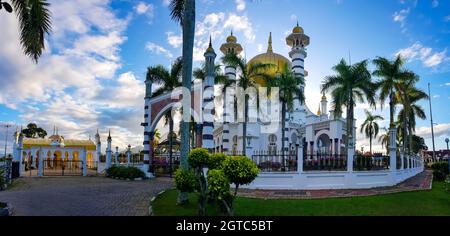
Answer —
418 52
240 5
158 50
440 130
174 40
145 9
401 16
166 3
293 17
447 18
67 87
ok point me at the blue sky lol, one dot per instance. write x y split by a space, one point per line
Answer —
91 75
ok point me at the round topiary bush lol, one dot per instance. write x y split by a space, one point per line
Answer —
125 172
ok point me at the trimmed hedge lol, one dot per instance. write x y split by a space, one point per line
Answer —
440 170
125 172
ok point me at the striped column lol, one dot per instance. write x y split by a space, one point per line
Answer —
147 126
108 152
208 101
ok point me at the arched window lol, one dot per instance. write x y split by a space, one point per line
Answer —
272 148
234 148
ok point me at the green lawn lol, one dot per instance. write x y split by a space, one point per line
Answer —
423 203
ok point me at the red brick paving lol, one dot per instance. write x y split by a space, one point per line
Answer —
419 182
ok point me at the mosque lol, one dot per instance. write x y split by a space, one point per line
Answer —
320 132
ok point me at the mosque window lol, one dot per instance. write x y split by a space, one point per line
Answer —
272 148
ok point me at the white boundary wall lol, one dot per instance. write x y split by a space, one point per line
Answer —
332 180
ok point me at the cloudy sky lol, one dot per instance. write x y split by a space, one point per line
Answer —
91 75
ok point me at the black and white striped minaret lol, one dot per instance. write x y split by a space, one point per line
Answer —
231 46
208 99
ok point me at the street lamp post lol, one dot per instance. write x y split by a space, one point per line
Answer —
431 117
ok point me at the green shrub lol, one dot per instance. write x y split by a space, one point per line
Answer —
198 158
440 170
186 181
216 161
124 172
240 170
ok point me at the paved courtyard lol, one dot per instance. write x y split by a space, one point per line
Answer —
82 196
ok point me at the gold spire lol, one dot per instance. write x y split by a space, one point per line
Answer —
318 111
210 48
269 48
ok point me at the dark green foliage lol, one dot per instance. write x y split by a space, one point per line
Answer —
186 181
124 172
33 131
216 161
199 158
440 170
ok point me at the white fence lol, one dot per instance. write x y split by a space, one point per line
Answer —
332 180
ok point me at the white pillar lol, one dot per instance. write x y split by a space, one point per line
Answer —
129 155
300 157
20 155
84 162
402 157
41 163
117 156
350 154
393 149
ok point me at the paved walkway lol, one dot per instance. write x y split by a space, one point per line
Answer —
82 196
419 182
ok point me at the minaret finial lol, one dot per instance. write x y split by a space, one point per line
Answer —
297 24
210 41
56 130
269 49
231 32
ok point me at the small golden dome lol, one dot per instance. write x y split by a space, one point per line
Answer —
324 97
297 30
231 38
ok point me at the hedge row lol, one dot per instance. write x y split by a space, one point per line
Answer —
124 172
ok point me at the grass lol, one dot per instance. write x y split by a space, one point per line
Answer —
435 202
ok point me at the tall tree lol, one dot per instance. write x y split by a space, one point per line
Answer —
34 23
183 11
384 139
169 81
33 131
370 127
408 96
391 74
288 84
351 83
249 73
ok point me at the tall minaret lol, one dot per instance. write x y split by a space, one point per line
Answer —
148 134
129 154
231 46
117 160
108 151
208 100
98 143
324 107
298 42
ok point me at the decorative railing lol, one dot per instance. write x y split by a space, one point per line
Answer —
370 163
325 162
163 165
275 161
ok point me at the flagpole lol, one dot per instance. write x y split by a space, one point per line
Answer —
431 117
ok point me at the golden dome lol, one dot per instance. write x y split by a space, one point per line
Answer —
231 38
270 58
297 30
324 97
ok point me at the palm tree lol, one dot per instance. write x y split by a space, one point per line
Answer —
350 84
391 73
34 22
249 73
288 84
408 95
157 138
370 127
183 12
169 81
384 139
